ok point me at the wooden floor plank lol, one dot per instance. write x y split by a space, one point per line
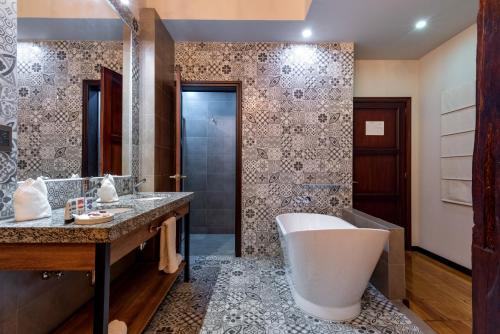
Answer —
440 295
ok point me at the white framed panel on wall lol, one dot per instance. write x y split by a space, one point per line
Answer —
458 122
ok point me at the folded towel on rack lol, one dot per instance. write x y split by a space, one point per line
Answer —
30 200
107 191
117 327
169 259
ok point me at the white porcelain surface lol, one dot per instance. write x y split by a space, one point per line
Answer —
328 262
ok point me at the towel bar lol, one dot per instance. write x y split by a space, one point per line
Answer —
153 229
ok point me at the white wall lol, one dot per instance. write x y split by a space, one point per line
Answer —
445 229
395 78
442 228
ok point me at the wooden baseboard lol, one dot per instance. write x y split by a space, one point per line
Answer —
443 260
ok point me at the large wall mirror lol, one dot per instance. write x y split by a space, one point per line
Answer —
72 84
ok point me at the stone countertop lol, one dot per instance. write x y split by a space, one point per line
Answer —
54 230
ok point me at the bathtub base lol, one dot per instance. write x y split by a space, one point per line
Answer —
326 313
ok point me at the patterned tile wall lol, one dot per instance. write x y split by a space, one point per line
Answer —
297 127
8 101
50 76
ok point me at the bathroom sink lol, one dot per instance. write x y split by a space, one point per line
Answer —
117 210
143 199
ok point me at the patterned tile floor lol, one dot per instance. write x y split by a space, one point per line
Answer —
230 295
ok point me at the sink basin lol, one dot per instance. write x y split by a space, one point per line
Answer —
149 198
117 210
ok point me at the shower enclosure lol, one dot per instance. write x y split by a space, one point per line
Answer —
209 160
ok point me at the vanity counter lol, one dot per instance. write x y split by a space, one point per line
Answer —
51 245
144 209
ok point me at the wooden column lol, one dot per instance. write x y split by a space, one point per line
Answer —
486 174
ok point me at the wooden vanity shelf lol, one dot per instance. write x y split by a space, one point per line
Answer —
134 299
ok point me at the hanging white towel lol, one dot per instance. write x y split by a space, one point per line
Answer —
30 200
169 259
117 327
107 191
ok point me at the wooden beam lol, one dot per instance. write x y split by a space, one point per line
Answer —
486 174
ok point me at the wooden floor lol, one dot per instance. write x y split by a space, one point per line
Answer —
438 294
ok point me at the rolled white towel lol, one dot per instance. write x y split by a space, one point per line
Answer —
107 191
117 327
30 200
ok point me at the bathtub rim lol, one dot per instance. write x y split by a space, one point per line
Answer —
285 233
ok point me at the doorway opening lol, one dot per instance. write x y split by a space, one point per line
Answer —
211 163
382 160
102 125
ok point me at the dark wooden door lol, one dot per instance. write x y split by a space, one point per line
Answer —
381 166
486 174
111 122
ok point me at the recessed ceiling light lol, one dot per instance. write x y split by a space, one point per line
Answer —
306 33
421 24
125 2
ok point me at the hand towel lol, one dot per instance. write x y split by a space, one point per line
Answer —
169 259
107 191
30 200
117 327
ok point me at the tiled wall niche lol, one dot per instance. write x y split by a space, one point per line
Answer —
50 77
297 126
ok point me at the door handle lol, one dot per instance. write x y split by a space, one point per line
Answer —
178 177
354 182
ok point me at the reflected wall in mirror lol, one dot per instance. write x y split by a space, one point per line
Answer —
69 89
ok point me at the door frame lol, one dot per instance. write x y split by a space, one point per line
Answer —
406 185
86 87
237 86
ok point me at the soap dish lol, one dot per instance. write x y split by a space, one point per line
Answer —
92 218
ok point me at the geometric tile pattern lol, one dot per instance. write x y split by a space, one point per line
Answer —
50 76
251 295
8 102
296 127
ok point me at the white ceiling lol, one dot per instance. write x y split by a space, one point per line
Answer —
381 29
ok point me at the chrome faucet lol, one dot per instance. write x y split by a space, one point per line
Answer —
136 186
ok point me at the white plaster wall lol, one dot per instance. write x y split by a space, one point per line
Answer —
395 78
442 228
445 229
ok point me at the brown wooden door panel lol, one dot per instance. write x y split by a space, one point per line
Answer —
385 208
375 174
382 159
111 122
391 127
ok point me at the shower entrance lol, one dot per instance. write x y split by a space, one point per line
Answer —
210 162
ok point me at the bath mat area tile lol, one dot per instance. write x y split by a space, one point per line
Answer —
251 296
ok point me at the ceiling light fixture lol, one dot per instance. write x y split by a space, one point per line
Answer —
306 33
421 24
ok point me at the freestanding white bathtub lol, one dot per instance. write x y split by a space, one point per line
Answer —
328 262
